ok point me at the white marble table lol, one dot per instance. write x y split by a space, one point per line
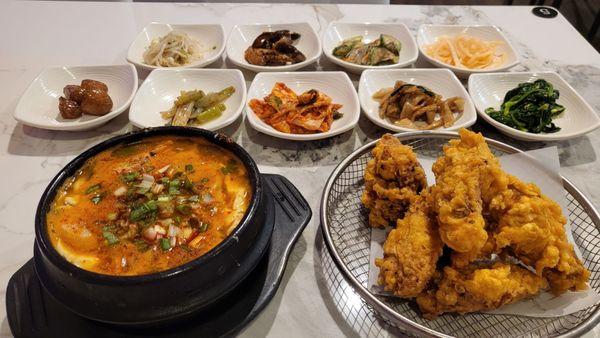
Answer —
38 34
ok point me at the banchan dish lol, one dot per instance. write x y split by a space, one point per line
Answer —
175 291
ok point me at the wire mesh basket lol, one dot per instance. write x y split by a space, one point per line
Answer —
344 222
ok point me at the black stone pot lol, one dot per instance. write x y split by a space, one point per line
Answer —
168 295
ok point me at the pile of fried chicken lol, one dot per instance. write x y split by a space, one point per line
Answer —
477 239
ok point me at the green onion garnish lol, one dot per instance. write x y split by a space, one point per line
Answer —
93 188
96 199
230 167
110 237
174 187
164 198
129 177
184 209
165 244
144 210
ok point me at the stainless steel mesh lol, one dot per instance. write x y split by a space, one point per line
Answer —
347 236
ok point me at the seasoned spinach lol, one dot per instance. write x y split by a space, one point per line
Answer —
530 107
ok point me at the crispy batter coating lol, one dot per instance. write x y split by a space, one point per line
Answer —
477 288
531 226
392 179
463 183
411 251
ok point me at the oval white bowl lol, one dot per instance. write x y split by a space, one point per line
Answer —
440 81
427 34
242 36
337 32
579 118
210 36
38 106
163 86
335 84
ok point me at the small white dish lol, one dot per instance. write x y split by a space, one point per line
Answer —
242 36
579 118
337 32
38 106
210 36
337 85
440 81
428 34
163 86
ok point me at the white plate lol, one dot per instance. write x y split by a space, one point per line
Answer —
338 31
337 85
579 118
242 36
163 86
427 34
38 106
440 81
210 36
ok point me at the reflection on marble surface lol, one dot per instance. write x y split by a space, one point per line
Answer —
305 305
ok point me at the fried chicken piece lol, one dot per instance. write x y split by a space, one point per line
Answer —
466 177
411 251
477 288
463 259
531 226
392 179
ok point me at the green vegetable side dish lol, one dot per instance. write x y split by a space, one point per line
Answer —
382 51
194 107
529 107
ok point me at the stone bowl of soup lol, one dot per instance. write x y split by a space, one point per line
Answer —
152 226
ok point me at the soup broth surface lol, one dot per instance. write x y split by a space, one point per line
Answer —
149 206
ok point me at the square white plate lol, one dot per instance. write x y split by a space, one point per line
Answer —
579 118
440 81
163 86
427 35
242 36
210 36
38 106
339 31
337 85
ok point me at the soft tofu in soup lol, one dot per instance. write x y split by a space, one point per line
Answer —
149 206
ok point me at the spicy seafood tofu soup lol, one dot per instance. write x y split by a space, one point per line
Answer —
149 206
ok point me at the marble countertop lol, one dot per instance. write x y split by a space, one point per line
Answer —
39 34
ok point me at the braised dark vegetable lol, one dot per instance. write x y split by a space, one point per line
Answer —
274 49
530 107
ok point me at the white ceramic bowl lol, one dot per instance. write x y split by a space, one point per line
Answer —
339 31
163 86
335 84
579 118
427 34
440 81
38 106
210 36
242 36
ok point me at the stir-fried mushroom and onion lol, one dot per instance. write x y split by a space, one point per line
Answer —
416 107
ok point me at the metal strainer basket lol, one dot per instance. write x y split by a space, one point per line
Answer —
347 236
